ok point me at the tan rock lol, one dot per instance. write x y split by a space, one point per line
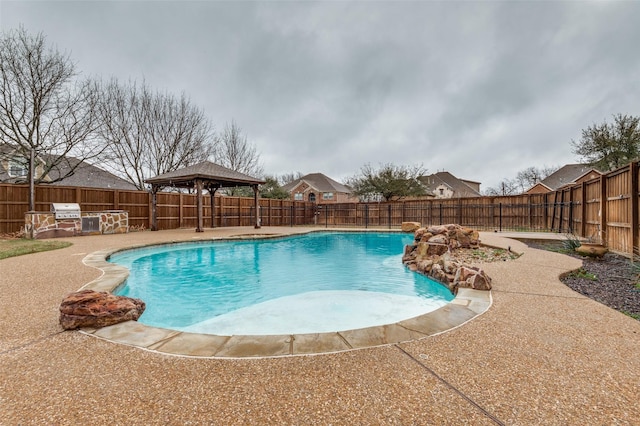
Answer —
422 249
592 250
471 277
437 245
437 230
424 266
410 226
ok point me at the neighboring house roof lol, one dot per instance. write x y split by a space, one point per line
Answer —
539 188
85 174
458 186
319 182
566 175
207 171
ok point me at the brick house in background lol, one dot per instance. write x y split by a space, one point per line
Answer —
570 174
319 188
445 185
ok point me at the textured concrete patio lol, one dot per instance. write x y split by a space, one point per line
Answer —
541 354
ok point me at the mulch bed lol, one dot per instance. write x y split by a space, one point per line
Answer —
612 280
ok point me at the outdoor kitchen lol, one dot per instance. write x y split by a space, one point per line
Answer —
67 220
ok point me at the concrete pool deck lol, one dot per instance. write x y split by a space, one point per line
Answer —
541 354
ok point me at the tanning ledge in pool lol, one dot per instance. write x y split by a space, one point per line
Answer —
317 312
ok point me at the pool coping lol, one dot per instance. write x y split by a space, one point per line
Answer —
467 305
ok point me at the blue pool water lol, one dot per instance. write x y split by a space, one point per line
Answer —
317 282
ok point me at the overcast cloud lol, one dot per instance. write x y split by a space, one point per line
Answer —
480 89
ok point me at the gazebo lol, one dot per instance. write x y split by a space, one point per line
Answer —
205 175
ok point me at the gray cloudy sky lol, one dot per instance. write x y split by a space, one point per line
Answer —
480 89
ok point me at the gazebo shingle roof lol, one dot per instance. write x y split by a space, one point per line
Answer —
206 171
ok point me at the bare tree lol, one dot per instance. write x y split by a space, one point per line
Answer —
45 116
151 133
236 153
286 178
506 187
530 176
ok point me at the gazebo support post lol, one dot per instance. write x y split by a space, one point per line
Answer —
199 204
257 206
212 193
154 207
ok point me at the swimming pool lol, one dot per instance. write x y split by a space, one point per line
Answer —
313 283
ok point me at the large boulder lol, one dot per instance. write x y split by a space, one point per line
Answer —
89 308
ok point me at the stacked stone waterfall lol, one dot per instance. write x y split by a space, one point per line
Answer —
433 253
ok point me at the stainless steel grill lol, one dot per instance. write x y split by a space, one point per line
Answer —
66 210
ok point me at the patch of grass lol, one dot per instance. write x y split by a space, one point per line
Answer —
479 254
581 273
571 243
566 246
629 314
20 246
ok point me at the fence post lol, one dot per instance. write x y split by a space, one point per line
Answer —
570 210
440 214
634 207
389 214
561 220
545 213
500 211
603 210
180 210
366 215
530 212
150 212
583 208
326 215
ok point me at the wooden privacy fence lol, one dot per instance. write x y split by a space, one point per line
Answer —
522 213
175 210
604 209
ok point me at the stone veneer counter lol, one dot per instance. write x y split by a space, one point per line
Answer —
39 225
